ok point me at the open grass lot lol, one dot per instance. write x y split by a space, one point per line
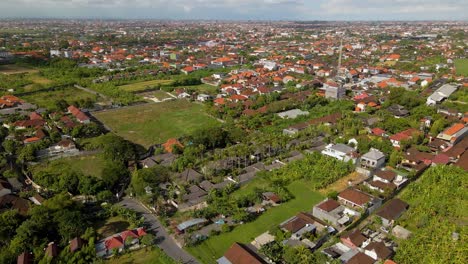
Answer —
91 165
461 66
153 123
214 247
143 256
111 226
47 99
141 86
15 69
201 88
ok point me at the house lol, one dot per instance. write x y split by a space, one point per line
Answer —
190 175
341 152
454 133
391 211
80 116
358 199
353 239
334 90
334 213
271 197
405 135
384 180
441 94
372 160
191 223
361 258
240 254
203 97
114 243
398 111
378 251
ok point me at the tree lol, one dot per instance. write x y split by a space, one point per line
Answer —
112 173
395 158
147 240
273 250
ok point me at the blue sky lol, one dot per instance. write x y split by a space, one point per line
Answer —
240 9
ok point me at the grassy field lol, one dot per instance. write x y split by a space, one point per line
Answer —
141 86
111 226
143 256
153 123
47 99
201 88
214 247
15 69
91 165
461 66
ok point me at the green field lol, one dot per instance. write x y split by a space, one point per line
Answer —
16 69
201 88
153 123
91 165
214 247
143 256
47 99
461 66
141 86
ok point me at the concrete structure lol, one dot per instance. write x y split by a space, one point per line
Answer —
441 94
292 113
340 151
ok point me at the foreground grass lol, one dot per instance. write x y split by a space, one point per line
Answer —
461 66
143 256
141 86
214 247
153 123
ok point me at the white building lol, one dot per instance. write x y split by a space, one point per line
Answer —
441 94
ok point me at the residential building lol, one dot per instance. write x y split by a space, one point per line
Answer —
441 94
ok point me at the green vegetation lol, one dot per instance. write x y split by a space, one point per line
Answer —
141 86
461 66
91 165
111 226
50 99
149 124
213 248
15 69
200 88
143 256
438 208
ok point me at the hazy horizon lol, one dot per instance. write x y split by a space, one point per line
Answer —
239 10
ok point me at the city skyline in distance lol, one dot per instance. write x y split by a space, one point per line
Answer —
307 10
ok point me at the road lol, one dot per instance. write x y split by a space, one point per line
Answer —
165 241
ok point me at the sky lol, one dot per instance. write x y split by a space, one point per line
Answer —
239 9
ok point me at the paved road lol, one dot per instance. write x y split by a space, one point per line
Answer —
166 242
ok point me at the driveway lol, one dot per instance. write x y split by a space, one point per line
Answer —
165 241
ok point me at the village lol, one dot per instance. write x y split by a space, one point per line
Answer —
244 142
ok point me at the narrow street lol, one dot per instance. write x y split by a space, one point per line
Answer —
165 241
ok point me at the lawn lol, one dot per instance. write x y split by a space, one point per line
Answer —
461 66
152 123
47 99
111 226
214 247
91 165
143 256
201 88
16 69
141 86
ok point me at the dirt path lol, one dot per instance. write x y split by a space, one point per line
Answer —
342 183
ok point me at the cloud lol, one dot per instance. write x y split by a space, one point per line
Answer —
240 9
